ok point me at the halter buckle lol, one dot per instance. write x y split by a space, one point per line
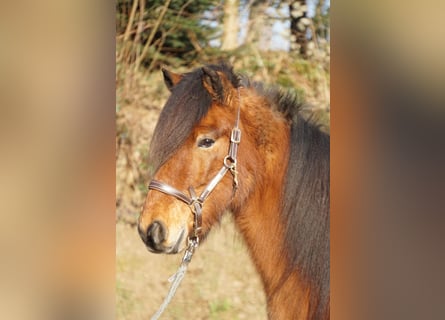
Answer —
193 243
230 163
196 207
235 136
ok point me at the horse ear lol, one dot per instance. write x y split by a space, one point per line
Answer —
171 78
214 84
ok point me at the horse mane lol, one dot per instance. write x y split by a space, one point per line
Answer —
306 197
306 212
306 193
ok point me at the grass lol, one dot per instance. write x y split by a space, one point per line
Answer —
125 299
214 287
219 307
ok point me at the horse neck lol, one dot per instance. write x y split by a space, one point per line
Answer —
263 159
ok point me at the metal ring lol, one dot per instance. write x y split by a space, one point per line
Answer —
232 164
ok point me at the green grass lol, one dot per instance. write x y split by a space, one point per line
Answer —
219 307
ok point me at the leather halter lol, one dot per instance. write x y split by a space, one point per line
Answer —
193 201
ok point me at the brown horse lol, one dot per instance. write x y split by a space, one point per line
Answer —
277 182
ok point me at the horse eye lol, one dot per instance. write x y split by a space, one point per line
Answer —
206 143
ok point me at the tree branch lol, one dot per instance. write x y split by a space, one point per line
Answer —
151 36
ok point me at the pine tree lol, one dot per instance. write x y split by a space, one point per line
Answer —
154 32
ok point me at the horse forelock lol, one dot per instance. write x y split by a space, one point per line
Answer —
188 103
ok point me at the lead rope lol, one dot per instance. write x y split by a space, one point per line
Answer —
196 206
177 277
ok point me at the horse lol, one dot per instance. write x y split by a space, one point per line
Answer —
244 148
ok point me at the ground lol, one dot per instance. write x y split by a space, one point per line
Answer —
221 281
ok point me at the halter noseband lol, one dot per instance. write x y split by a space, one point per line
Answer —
193 201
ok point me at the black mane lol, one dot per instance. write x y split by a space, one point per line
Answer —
306 212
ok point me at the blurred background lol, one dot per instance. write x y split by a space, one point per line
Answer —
69 115
284 43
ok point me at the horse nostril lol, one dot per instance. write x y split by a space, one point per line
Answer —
155 235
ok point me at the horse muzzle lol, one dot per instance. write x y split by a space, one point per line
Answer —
155 237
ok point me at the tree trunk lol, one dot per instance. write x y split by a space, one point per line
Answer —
230 25
257 22
299 23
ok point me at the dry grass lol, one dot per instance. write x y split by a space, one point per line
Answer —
221 282
137 110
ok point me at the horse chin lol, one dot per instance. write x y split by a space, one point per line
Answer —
179 245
